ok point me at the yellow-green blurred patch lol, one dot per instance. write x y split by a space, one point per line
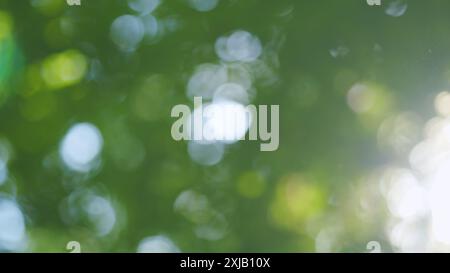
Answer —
6 25
49 7
371 102
33 80
251 185
297 199
64 69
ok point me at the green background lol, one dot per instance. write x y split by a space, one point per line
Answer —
314 186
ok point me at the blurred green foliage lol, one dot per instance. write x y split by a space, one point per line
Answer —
59 67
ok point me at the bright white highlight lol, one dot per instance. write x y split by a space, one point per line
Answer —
81 146
12 226
157 244
144 7
240 46
127 31
223 121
